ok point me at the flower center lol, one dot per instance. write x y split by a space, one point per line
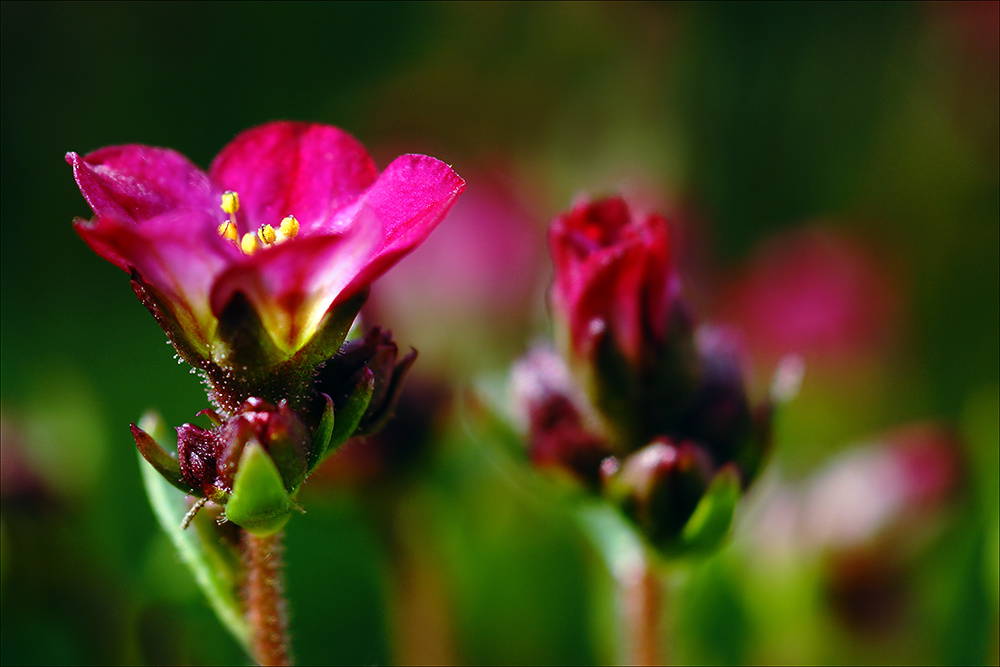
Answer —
266 234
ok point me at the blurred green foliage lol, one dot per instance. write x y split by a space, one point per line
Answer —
879 119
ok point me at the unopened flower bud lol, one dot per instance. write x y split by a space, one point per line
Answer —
720 416
251 463
616 298
370 364
660 486
550 408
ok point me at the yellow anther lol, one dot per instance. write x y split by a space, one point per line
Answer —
227 230
267 234
289 228
230 202
249 244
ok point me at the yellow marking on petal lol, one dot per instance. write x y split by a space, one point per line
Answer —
230 202
267 234
227 230
249 244
289 228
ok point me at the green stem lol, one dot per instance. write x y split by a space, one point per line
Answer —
264 595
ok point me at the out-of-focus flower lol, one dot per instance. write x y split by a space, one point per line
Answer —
814 293
616 300
257 268
645 409
614 279
902 481
660 486
561 432
865 517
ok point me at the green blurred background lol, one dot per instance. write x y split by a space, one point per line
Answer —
877 122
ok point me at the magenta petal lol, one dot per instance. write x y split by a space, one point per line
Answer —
180 266
592 304
290 168
294 284
136 183
409 199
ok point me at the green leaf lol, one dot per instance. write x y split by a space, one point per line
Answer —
624 552
161 460
259 503
322 435
202 549
710 522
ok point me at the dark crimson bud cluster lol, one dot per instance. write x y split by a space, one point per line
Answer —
642 405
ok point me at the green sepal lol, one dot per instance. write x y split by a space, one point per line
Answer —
259 502
158 457
376 416
331 332
242 339
709 524
322 435
213 561
349 414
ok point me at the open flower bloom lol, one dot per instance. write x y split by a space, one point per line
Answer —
263 260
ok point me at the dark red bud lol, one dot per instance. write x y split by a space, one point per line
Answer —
659 487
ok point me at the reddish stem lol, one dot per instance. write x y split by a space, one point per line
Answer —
264 595
419 609
643 602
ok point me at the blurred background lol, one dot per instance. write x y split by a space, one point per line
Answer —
832 171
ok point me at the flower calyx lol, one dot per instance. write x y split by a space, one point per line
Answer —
673 492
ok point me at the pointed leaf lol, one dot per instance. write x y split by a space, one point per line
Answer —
209 558
259 502
162 462
322 435
710 522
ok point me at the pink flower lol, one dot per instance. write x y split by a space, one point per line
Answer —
614 276
817 293
262 261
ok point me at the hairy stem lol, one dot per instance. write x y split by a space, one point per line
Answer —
264 596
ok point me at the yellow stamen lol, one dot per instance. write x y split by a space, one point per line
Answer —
230 202
227 230
267 234
249 244
289 228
